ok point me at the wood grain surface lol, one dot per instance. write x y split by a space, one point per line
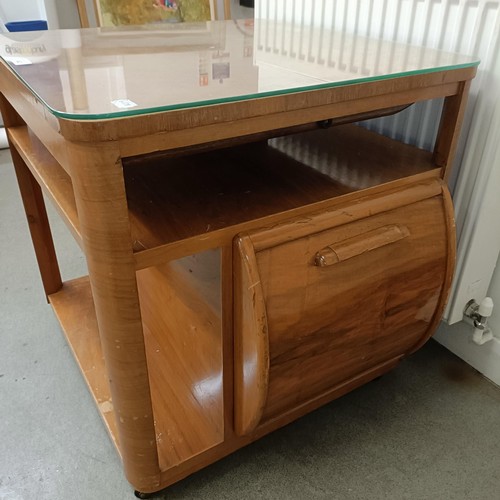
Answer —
181 313
325 324
251 341
190 357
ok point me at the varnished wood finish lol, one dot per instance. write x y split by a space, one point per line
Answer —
251 342
173 129
344 213
268 134
360 244
220 237
322 327
449 129
227 339
215 126
229 446
247 183
36 215
34 207
55 182
100 199
182 391
15 98
451 241
74 308
181 311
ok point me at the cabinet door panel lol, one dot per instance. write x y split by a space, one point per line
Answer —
341 301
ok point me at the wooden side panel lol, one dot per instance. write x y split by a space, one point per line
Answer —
329 324
451 254
181 312
449 129
251 344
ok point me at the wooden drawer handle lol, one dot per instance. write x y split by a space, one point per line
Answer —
357 245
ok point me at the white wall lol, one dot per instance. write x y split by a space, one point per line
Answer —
458 337
494 293
68 14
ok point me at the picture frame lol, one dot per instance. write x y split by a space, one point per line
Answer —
108 13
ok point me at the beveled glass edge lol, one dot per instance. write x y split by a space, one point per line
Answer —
245 97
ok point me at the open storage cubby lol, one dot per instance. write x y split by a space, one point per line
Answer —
181 313
212 194
53 179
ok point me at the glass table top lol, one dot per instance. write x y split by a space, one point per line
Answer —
111 72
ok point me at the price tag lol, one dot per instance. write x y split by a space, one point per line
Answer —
124 103
18 61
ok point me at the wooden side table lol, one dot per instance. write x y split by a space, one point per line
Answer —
252 254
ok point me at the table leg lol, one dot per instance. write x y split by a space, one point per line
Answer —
449 129
34 206
38 222
97 177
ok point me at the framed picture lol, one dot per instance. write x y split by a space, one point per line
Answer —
136 12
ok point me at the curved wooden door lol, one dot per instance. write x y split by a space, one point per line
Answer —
315 311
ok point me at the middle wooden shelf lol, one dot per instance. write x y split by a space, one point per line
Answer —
185 204
182 205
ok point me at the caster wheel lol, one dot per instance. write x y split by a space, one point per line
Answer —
140 494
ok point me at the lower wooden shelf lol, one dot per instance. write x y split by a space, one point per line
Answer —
185 390
189 428
74 308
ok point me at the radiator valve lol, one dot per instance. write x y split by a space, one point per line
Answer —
479 314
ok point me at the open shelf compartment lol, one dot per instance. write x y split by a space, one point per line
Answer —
181 314
181 311
74 308
53 179
211 195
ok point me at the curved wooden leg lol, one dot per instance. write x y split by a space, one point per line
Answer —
97 176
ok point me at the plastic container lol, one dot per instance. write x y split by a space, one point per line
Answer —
37 25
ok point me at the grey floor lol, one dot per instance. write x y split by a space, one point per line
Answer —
428 430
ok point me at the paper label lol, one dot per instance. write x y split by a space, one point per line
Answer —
124 103
18 61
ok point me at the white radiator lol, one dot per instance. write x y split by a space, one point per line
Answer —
464 26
